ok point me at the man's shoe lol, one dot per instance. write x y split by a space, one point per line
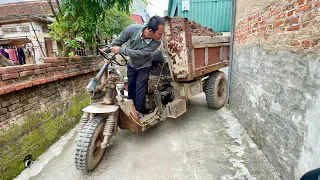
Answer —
139 115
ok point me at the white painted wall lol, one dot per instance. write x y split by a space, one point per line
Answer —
31 35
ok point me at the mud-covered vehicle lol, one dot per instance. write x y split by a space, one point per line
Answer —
188 64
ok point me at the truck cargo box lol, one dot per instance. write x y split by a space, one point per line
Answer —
193 51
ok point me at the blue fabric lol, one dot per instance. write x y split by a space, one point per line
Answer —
137 86
6 55
312 175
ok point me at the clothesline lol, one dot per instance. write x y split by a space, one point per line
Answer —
8 32
17 54
8 47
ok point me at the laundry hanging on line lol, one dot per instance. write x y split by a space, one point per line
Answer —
18 55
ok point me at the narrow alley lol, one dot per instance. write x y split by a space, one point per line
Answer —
201 144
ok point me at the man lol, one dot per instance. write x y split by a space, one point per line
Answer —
143 40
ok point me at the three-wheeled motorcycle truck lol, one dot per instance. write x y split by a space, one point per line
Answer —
187 65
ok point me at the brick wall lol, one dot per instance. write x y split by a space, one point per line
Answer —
275 83
15 78
283 24
38 104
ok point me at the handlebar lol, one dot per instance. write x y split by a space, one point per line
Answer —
106 52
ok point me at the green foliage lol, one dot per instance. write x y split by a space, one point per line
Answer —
115 22
79 19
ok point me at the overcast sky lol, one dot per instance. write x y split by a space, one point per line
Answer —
157 7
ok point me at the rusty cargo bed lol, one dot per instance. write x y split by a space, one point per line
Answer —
190 56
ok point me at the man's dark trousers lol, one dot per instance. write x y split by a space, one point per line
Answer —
138 84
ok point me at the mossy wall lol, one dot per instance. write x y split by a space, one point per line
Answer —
47 112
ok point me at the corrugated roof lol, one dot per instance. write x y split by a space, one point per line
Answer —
26 8
215 14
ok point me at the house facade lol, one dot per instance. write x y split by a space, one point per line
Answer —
25 25
139 12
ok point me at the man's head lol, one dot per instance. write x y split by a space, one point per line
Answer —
155 28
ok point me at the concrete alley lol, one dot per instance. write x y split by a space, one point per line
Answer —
202 144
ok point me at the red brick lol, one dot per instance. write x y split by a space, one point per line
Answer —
54 64
266 15
36 82
2 70
42 81
30 67
18 87
250 18
12 69
306 43
304 25
23 74
290 13
50 69
1 91
292 21
262 22
9 76
275 12
262 29
61 76
8 89
50 60
306 7
59 73
40 71
29 73
49 74
300 2
317 4
49 79
281 16
28 84
78 58
43 65
5 83
278 24
295 43
66 75
70 66
293 28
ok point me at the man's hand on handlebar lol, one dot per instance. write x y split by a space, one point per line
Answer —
115 49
